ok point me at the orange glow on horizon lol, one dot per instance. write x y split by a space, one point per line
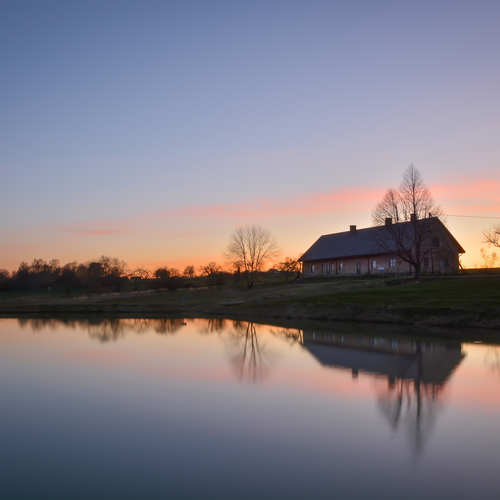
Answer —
172 237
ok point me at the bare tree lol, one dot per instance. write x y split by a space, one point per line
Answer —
412 197
388 207
249 249
138 276
214 273
162 277
189 272
489 260
409 233
167 278
492 237
289 266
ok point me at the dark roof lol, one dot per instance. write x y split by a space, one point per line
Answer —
360 242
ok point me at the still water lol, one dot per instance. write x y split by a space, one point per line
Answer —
221 409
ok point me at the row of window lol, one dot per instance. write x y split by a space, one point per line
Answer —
327 268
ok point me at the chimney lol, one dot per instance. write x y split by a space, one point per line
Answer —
413 217
388 221
352 229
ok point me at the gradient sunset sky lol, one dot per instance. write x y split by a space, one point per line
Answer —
149 130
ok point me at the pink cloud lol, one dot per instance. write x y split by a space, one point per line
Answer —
485 188
469 198
461 197
345 200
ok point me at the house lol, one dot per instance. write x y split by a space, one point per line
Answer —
380 250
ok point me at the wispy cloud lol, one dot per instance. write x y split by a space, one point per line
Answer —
460 196
469 197
345 200
93 232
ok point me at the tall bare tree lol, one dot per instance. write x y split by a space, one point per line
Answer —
412 197
492 237
410 208
249 249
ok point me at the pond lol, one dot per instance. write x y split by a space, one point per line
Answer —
136 408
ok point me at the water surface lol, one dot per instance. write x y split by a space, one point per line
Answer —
223 409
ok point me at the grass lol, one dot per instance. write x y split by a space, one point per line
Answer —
466 292
472 297
40 294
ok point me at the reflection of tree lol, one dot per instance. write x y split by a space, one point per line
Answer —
412 404
166 326
213 325
39 324
492 358
106 330
139 325
247 358
292 335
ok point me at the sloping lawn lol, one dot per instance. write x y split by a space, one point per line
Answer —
466 292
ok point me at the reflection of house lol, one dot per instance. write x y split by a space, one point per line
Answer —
425 362
416 372
373 250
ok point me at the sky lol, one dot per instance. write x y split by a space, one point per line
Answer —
149 131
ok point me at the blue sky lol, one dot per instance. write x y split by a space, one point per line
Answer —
149 130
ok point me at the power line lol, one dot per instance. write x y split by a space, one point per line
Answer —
473 216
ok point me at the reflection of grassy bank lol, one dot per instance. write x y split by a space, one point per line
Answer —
457 301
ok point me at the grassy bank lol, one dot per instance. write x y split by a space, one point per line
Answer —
452 301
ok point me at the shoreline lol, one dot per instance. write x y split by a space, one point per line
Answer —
416 316
459 302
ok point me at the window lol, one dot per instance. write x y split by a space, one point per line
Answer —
446 263
392 262
426 261
435 242
374 264
341 267
312 268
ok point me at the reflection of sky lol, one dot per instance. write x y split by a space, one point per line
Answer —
158 415
139 131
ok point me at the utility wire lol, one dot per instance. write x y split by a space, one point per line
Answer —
473 216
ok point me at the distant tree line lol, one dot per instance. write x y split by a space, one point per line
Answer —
250 249
109 274
104 274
